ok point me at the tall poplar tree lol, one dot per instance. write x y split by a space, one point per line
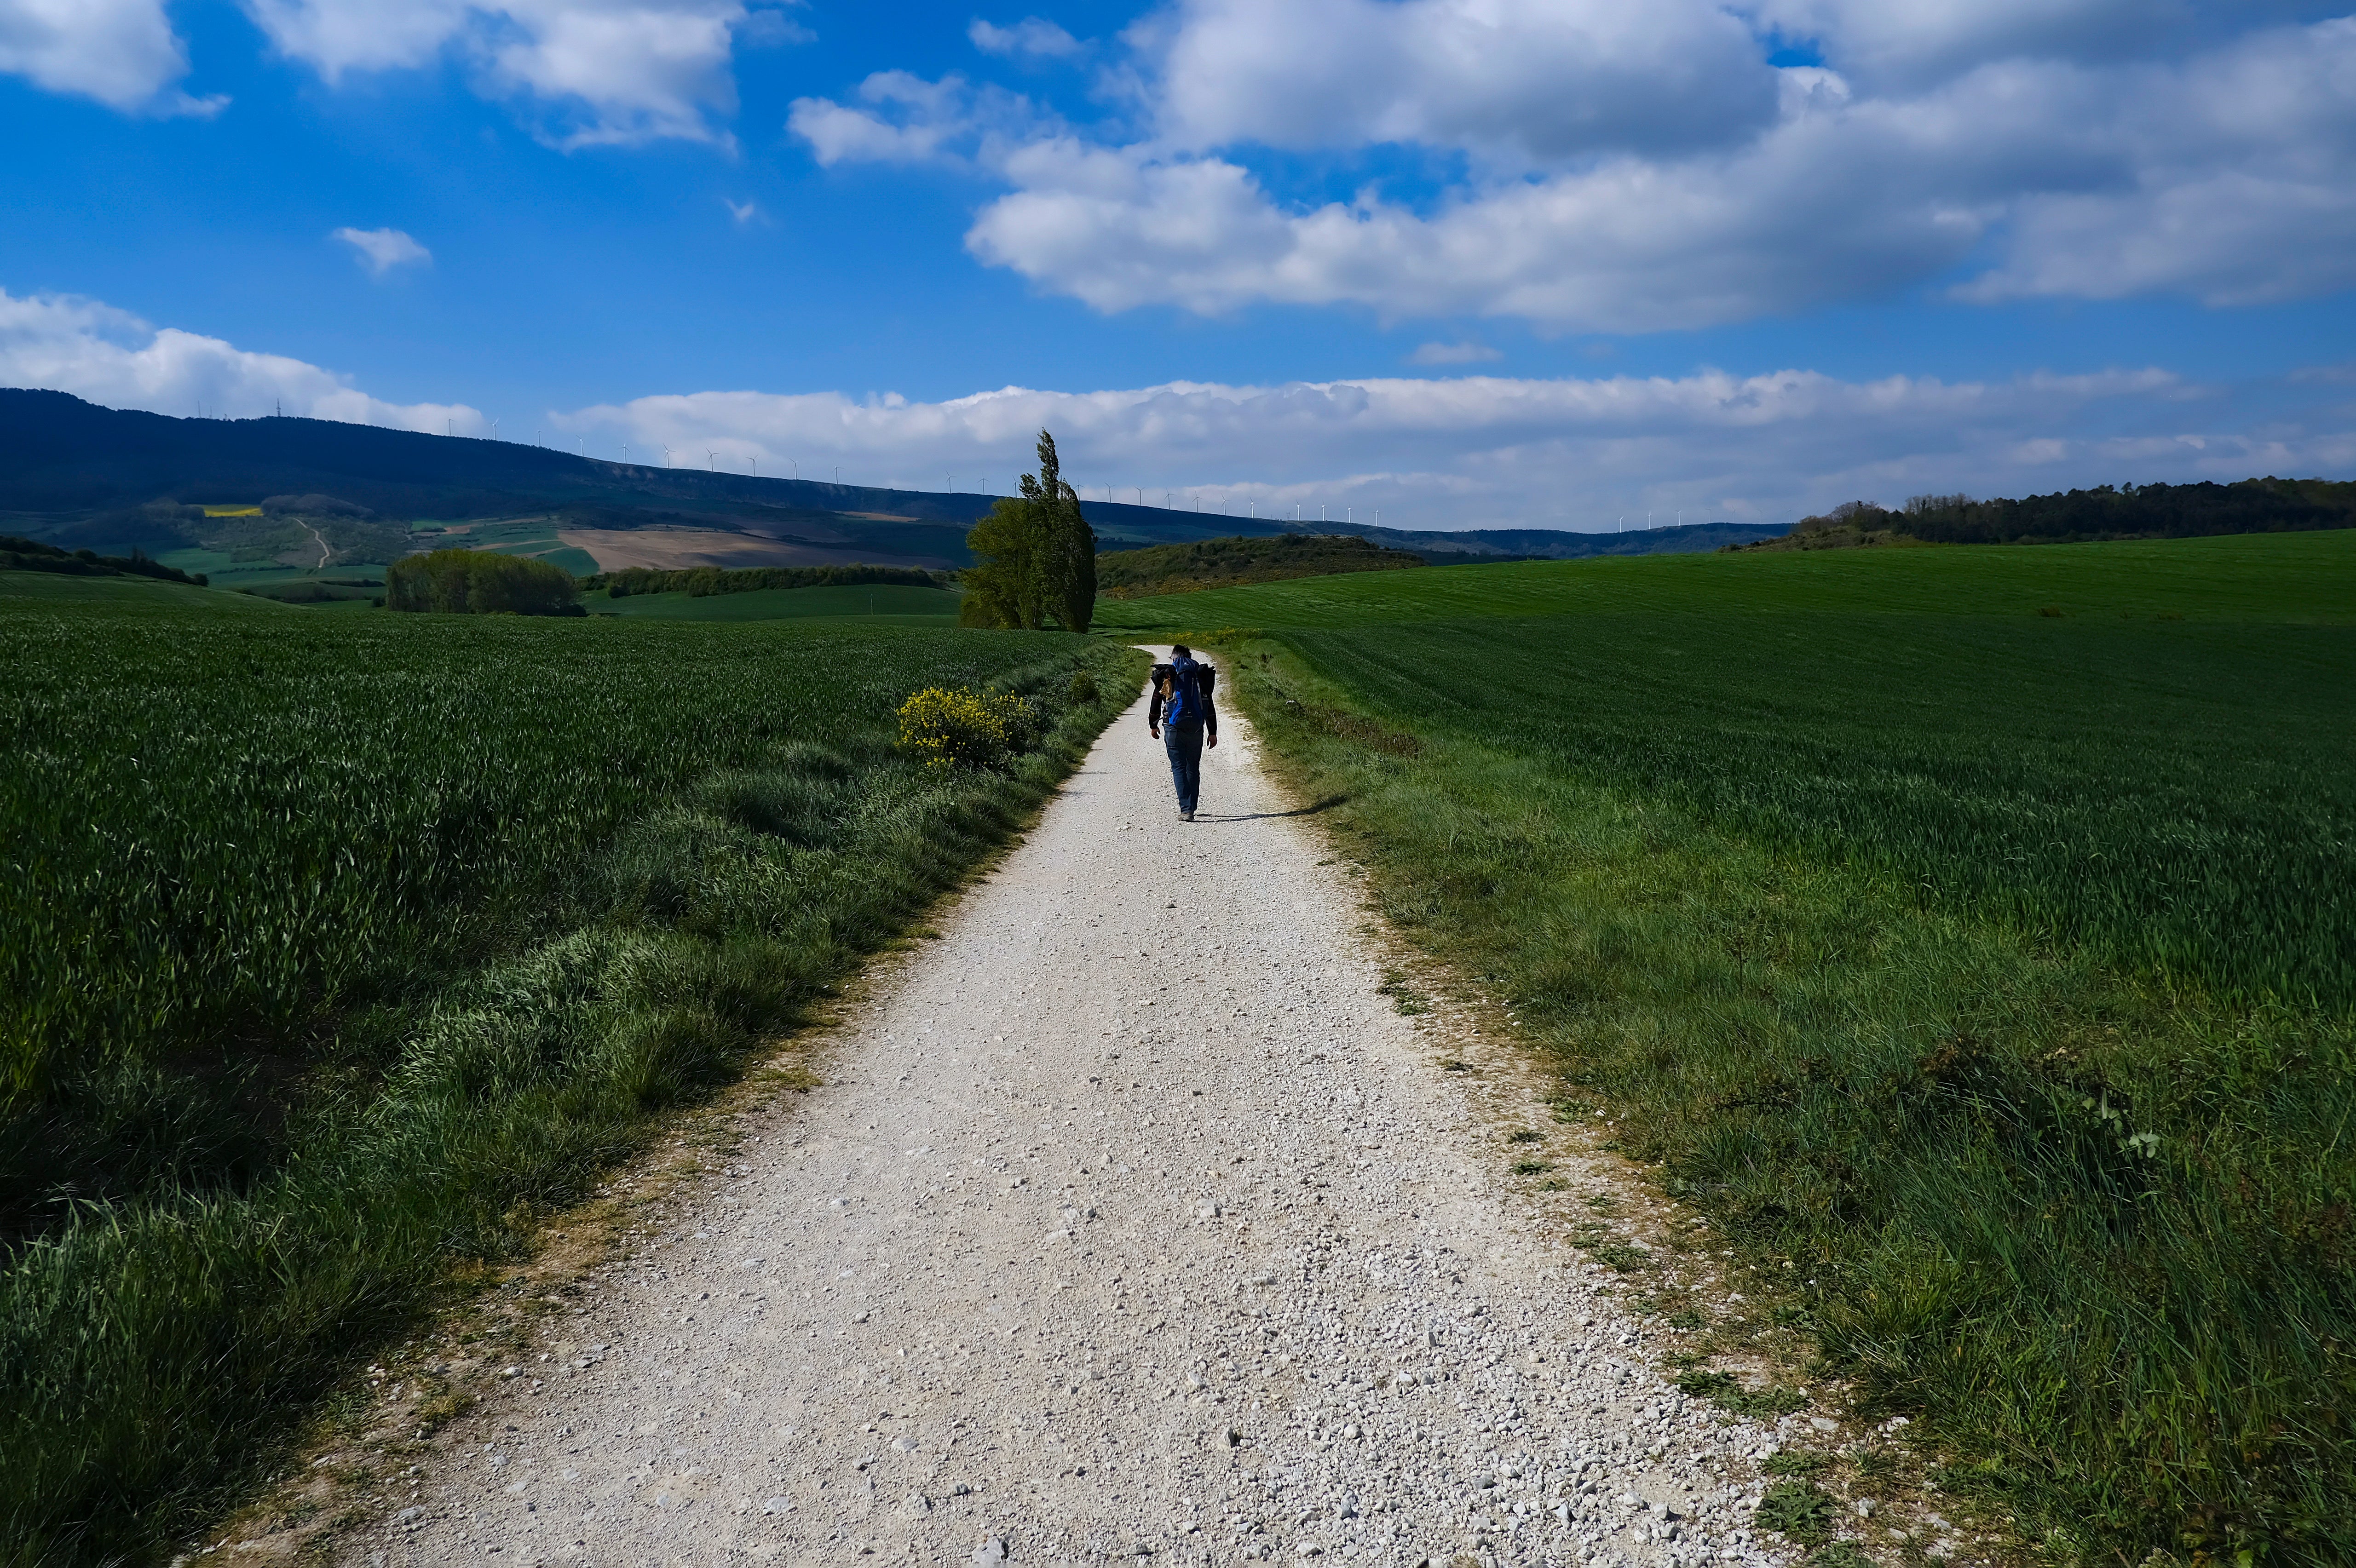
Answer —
1037 556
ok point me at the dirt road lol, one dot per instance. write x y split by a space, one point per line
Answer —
1132 1222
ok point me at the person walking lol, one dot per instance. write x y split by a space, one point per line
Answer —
1183 717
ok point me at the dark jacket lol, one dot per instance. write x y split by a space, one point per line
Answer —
1182 698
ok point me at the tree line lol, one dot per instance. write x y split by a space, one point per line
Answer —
480 582
699 582
2106 512
1034 557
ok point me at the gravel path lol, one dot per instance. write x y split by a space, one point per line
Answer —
1132 1222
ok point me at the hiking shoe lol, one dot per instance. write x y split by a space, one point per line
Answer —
1185 816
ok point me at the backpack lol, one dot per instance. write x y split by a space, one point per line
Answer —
1189 703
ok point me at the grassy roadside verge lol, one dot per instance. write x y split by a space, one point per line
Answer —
156 1345
2093 1235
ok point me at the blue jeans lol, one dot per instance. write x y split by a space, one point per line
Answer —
1184 744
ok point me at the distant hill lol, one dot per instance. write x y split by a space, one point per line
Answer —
1231 563
78 475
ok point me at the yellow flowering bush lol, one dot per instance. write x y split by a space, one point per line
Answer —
965 728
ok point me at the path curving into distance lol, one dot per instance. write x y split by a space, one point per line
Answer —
1130 1222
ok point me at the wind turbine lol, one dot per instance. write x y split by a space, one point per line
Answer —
666 461
712 459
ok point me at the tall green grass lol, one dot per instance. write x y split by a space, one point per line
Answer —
339 948
1985 972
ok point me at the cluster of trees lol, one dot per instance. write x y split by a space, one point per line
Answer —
2105 512
1227 563
480 582
1036 558
699 582
30 555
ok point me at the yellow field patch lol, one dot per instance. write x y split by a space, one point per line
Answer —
233 511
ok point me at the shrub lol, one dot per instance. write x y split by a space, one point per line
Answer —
1082 689
966 728
480 582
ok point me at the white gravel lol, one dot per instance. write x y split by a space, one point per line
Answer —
1131 1222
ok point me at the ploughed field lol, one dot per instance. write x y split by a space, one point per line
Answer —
1973 931
331 948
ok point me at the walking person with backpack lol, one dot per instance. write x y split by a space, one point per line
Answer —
1181 717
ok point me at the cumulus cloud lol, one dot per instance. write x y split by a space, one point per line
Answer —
123 53
1032 37
381 250
1525 81
72 345
596 71
1637 168
901 118
1498 451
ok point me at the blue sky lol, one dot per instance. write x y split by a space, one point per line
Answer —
1468 261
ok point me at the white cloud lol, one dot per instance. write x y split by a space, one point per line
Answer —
908 120
1497 451
71 345
1032 37
1452 354
744 212
123 53
380 251
1632 170
598 71
1524 81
